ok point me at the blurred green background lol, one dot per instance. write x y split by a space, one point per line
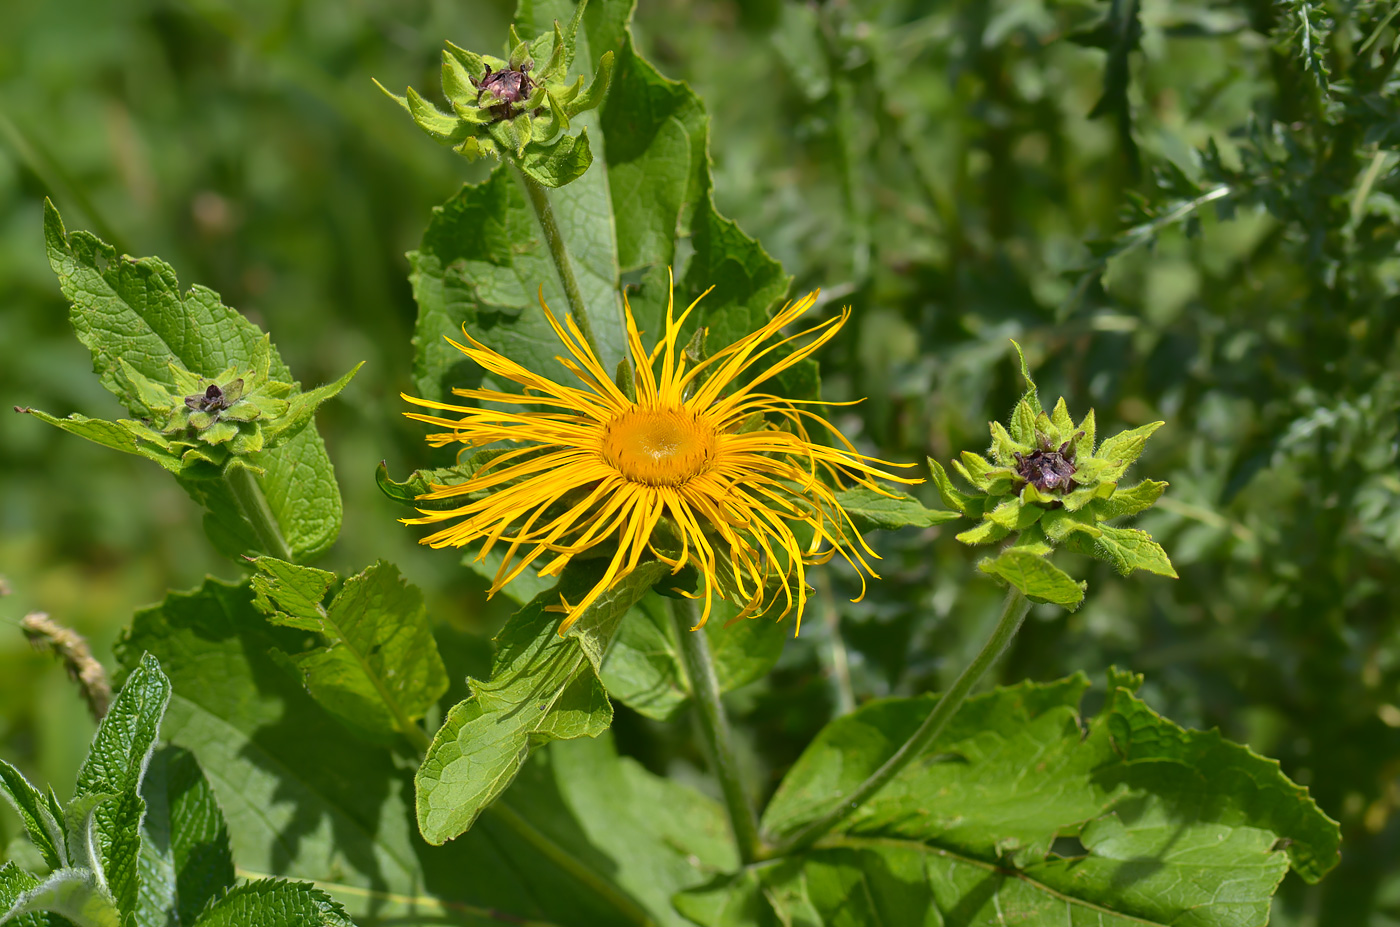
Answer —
960 172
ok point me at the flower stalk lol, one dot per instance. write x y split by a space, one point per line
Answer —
714 728
251 501
538 196
1013 613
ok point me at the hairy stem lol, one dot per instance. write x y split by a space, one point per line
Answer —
714 727
1012 614
244 486
538 196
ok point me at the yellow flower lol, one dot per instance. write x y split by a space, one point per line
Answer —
696 448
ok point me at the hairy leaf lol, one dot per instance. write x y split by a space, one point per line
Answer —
870 509
185 856
115 766
543 687
1177 827
40 813
129 309
380 669
274 903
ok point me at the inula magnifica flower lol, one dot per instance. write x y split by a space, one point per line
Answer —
701 469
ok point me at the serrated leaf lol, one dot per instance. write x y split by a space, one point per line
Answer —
1127 549
1119 34
132 309
185 857
1035 576
127 437
1023 423
278 764
380 669
870 510
559 163
970 835
1032 396
114 766
1123 449
301 408
39 813
14 882
75 894
1061 523
274 903
543 687
1129 501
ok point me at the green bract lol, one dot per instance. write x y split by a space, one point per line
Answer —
189 423
520 105
1050 486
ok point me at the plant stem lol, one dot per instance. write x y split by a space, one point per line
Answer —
714 727
244 486
1013 612
538 196
631 912
500 810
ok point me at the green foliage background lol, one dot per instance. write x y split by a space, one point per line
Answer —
959 172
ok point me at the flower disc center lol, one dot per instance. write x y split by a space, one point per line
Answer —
659 447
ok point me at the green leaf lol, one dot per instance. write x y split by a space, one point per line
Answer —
543 687
273 903
1059 524
984 532
870 509
1123 449
301 408
115 765
1004 449
1013 516
14 882
1059 417
185 857
559 163
127 437
132 310
950 495
75 894
1031 398
1178 827
1119 34
380 669
1129 501
304 801
1127 549
1035 576
40 814
654 834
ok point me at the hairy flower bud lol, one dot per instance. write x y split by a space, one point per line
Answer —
1047 485
519 106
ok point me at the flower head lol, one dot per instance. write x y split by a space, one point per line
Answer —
699 469
520 105
1049 486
